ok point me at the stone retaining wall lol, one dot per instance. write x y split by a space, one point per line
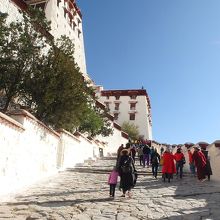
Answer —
31 151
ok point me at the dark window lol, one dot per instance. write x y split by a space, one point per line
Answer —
107 105
79 33
107 97
116 106
133 97
132 106
117 97
132 117
115 116
78 21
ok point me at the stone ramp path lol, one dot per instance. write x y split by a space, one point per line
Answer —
82 194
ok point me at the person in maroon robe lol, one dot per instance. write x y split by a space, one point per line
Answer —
200 162
168 168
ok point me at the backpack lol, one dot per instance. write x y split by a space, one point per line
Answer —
155 159
127 166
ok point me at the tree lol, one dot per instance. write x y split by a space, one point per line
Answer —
95 122
58 94
41 75
21 47
131 129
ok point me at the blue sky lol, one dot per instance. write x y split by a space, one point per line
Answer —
172 48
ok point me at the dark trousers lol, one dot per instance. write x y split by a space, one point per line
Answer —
112 190
146 157
168 176
179 169
133 157
141 159
154 169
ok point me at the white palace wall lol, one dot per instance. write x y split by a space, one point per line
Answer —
113 141
31 151
214 154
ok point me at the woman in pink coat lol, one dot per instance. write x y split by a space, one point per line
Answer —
112 181
168 168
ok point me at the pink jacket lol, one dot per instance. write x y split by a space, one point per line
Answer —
113 177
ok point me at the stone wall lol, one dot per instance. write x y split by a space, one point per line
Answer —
214 155
113 141
31 151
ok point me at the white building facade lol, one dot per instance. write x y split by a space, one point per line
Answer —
131 106
65 18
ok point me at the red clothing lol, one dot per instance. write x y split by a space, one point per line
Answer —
168 163
178 156
200 161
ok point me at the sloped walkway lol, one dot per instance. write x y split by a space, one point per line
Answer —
82 194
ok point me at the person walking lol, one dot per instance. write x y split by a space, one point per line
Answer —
168 168
146 155
133 152
200 162
180 161
112 181
121 147
140 154
161 151
208 169
155 160
191 163
127 173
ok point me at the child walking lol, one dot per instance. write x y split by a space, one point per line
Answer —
112 181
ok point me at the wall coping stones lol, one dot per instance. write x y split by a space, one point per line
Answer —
26 114
81 135
60 131
6 119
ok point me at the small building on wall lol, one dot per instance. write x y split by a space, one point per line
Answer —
132 105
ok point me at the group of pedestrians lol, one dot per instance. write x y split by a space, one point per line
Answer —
198 162
124 168
172 164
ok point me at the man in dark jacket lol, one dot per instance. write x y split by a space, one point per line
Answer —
146 155
208 169
155 160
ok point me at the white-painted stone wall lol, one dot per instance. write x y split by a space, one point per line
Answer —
214 154
6 6
31 151
28 154
113 141
60 25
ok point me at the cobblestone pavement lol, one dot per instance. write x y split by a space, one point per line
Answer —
82 194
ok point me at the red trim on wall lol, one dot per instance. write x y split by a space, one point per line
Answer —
100 105
124 92
217 145
117 126
24 7
21 4
124 135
